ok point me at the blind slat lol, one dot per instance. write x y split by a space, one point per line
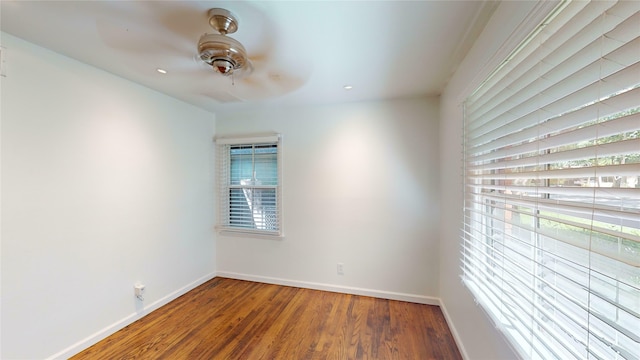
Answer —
582 48
568 260
562 103
583 243
569 207
503 262
552 133
609 194
571 21
583 172
518 299
631 146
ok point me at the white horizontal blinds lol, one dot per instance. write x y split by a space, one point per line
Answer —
249 190
551 233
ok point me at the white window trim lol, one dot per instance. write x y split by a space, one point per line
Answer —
224 229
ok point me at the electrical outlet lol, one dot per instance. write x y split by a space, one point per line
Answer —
340 269
139 291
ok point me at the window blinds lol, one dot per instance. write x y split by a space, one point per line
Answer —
249 184
551 232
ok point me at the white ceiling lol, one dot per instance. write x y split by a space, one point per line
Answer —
305 51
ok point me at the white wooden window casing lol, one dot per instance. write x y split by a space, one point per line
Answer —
551 230
249 185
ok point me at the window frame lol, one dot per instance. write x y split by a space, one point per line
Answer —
225 223
493 306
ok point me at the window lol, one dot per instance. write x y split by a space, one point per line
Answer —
249 184
551 232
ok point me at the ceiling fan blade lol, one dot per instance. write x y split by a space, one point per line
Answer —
186 20
223 97
259 57
135 39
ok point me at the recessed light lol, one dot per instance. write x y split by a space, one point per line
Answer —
348 87
161 71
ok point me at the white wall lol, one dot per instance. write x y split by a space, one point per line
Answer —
360 188
477 336
104 183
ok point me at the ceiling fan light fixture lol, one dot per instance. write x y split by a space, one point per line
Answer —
224 67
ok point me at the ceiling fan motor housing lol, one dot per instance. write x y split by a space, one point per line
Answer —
222 52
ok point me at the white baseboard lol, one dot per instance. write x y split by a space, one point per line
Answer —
146 310
420 299
454 332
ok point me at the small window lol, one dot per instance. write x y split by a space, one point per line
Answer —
249 185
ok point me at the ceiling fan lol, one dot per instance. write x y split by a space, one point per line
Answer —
224 54
168 30
229 58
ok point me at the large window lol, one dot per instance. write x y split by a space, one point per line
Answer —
551 233
249 184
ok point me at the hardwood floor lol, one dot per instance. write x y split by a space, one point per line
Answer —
234 319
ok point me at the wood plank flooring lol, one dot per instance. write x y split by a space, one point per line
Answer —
234 319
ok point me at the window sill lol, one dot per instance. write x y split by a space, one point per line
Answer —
250 234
